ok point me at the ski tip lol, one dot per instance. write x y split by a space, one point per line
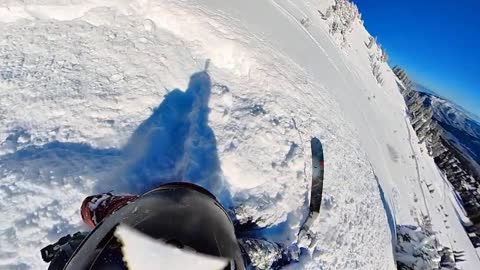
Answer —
316 143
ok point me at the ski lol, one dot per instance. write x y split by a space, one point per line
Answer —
317 175
317 187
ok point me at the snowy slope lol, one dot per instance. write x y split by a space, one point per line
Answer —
88 104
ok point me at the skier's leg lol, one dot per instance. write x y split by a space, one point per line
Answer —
93 210
97 207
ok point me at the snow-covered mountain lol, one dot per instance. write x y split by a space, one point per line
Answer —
112 95
461 127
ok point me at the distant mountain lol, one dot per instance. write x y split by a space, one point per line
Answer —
424 89
461 127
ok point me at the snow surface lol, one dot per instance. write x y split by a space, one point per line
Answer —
90 102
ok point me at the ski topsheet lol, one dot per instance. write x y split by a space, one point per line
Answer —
317 175
317 188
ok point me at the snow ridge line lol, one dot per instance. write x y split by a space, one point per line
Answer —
329 37
286 12
304 29
417 168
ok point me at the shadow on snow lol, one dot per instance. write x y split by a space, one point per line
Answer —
174 144
390 216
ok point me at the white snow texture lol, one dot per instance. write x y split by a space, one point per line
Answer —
102 95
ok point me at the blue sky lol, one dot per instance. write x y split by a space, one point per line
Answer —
436 41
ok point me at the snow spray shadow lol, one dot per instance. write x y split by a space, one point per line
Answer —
390 217
174 144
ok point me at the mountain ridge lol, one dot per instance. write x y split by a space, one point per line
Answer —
459 126
424 89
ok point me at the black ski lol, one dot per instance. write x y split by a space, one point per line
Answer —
317 175
317 186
